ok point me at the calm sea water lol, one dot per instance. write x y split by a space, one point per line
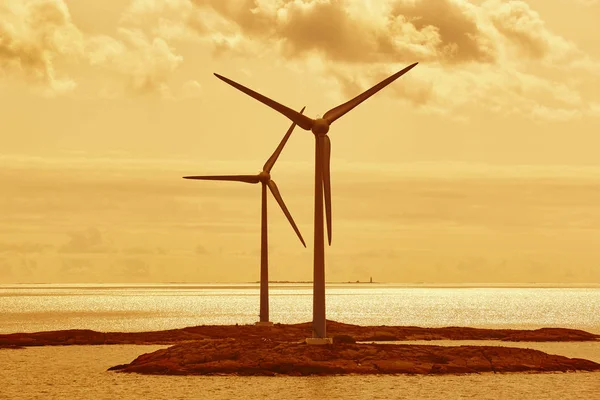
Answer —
27 308
80 371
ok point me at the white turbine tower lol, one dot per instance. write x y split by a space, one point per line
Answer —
264 177
319 127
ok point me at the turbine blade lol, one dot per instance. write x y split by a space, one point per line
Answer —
271 161
327 183
236 178
279 199
342 109
302 120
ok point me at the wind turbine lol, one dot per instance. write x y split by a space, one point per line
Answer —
319 128
264 177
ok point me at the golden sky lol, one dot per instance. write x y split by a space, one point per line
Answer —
479 165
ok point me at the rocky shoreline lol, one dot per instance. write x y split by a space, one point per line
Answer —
291 333
280 350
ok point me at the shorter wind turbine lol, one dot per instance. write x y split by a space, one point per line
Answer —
264 177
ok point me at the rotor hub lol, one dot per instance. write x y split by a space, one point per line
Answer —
321 127
264 177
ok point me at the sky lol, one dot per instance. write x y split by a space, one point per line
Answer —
480 165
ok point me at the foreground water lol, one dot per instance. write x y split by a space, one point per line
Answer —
80 371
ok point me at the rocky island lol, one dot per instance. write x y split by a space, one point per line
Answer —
265 357
279 350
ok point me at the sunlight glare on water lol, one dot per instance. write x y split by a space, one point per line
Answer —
26 308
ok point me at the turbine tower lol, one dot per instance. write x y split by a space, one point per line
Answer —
264 177
319 128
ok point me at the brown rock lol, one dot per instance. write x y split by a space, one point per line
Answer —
343 339
257 357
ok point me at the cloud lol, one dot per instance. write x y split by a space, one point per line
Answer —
460 34
200 249
140 250
445 31
525 31
191 89
33 34
416 216
147 63
500 51
497 55
72 269
169 19
86 241
133 269
38 35
23 248
22 268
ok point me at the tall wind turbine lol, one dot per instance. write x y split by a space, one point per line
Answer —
264 177
319 128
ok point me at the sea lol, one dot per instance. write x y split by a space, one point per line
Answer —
80 372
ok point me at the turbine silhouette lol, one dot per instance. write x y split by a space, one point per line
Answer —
264 177
319 127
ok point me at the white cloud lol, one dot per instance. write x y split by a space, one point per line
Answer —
33 34
36 34
146 62
496 54
500 55
191 89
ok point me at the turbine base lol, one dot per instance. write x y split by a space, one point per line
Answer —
263 323
319 341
